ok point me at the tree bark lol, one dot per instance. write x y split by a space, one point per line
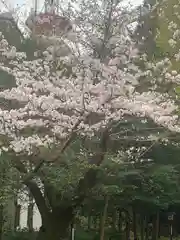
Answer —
17 215
114 219
103 219
89 221
154 230
55 219
128 227
30 213
120 221
157 225
134 223
142 226
146 228
1 221
57 226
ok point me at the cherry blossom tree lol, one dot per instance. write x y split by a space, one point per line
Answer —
77 87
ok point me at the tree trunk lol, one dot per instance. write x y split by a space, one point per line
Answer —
56 226
1 221
146 228
155 227
120 222
128 227
17 215
30 217
103 219
95 227
127 230
134 224
114 219
142 227
51 231
89 221
155 233
30 213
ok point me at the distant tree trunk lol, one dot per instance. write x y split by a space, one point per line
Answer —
72 229
155 231
127 226
142 227
17 215
30 213
146 228
99 222
114 218
1 221
94 222
120 221
89 221
156 226
103 219
30 217
134 223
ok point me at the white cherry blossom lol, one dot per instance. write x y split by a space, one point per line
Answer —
55 91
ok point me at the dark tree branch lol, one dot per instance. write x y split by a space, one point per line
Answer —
90 178
39 199
34 189
58 154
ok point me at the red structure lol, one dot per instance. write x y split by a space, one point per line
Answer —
48 23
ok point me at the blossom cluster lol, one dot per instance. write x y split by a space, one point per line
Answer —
53 95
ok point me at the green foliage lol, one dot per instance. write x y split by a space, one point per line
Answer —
153 185
6 80
19 235
81 234
11 31
155 29
167 14
177 90
9 184
29 46
159 187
